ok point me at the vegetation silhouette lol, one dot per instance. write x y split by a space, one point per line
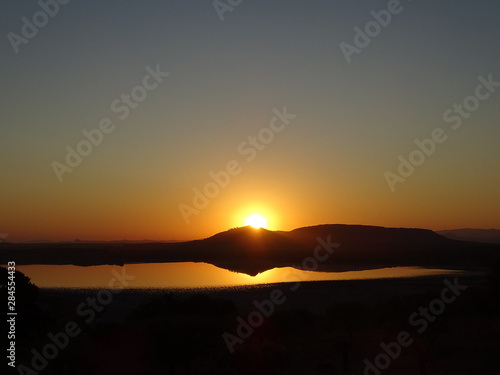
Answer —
180 332
328 327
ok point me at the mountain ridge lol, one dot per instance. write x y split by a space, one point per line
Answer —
471 234
251 250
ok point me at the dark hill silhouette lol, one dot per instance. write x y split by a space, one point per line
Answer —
368 246
349 233
253 250
476 235
250 242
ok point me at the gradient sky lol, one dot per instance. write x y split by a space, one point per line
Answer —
226 77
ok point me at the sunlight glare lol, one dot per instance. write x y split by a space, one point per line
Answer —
256 221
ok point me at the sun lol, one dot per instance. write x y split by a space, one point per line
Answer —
256 221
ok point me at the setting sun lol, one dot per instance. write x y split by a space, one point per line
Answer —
256 221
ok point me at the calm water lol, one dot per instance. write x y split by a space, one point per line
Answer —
193 275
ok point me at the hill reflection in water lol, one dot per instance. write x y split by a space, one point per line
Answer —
198 275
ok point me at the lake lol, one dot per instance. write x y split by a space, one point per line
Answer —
200 275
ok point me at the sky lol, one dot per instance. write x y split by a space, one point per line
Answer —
337 95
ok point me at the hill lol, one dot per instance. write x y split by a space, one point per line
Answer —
476 235
252 250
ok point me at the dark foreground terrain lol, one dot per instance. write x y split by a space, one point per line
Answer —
395 326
